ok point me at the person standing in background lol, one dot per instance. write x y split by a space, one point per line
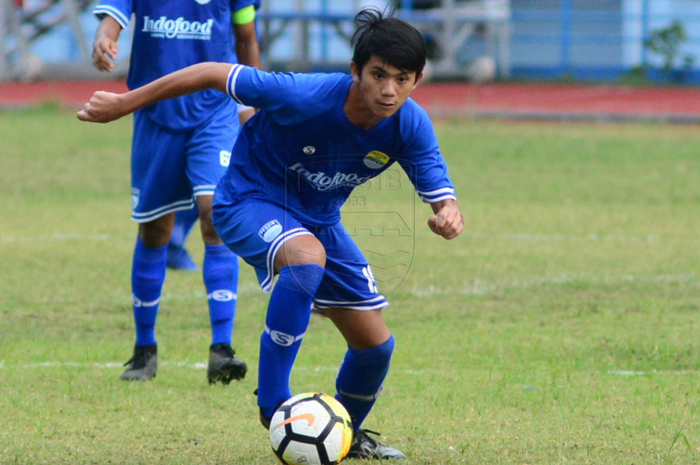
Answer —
180 149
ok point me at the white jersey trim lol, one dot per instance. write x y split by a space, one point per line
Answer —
266 284
438 199
231 82
203 190
318 307
437 195
339 302
117 15
158 212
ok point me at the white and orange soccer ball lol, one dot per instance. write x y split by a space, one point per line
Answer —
311 429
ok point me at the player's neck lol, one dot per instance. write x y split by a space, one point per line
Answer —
357 111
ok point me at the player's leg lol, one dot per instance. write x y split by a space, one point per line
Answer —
362 374
348 295
178 256
208 153
159 188
220 275
267 238
300 264
147 278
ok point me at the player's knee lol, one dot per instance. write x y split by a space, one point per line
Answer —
209 234
301 250
157 233
306 278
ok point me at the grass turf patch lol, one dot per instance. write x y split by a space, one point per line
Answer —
560 328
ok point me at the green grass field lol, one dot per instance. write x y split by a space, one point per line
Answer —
560 328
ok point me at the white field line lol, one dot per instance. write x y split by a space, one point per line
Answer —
525 237
184 364
479 287
333 369
57 237
652 372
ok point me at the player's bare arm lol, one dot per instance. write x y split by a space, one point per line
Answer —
104 107
247 49
105 47
447 220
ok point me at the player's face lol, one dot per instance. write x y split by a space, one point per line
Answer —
384 88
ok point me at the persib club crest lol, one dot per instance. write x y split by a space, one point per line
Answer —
376 159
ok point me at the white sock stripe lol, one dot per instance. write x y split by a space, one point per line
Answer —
283 339
222 295
363 398
140 303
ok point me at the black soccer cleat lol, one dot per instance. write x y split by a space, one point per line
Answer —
365 447
265 421
142 366
223 365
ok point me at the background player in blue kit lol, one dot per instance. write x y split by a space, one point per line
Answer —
295 162
178 256
180 150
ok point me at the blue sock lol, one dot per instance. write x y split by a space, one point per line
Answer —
361 378
184 220
220 273
288 317
147 278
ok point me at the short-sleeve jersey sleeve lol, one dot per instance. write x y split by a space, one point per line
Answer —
119 10
288 97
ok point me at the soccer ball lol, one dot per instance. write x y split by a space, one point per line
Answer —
311 429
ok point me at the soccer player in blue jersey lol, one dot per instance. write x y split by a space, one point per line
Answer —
178 256
180 150
315 138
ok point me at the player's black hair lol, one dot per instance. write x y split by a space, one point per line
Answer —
391 39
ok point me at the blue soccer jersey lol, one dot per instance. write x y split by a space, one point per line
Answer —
171 35
302 153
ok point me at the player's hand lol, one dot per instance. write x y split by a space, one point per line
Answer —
103 107
104 53
447 222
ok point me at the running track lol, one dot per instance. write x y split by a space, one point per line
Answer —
524 101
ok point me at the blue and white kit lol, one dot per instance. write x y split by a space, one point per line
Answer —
181 146
296 162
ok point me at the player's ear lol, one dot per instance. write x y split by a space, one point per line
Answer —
354 71
418 78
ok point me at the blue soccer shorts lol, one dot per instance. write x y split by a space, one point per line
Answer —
255 230
170 168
